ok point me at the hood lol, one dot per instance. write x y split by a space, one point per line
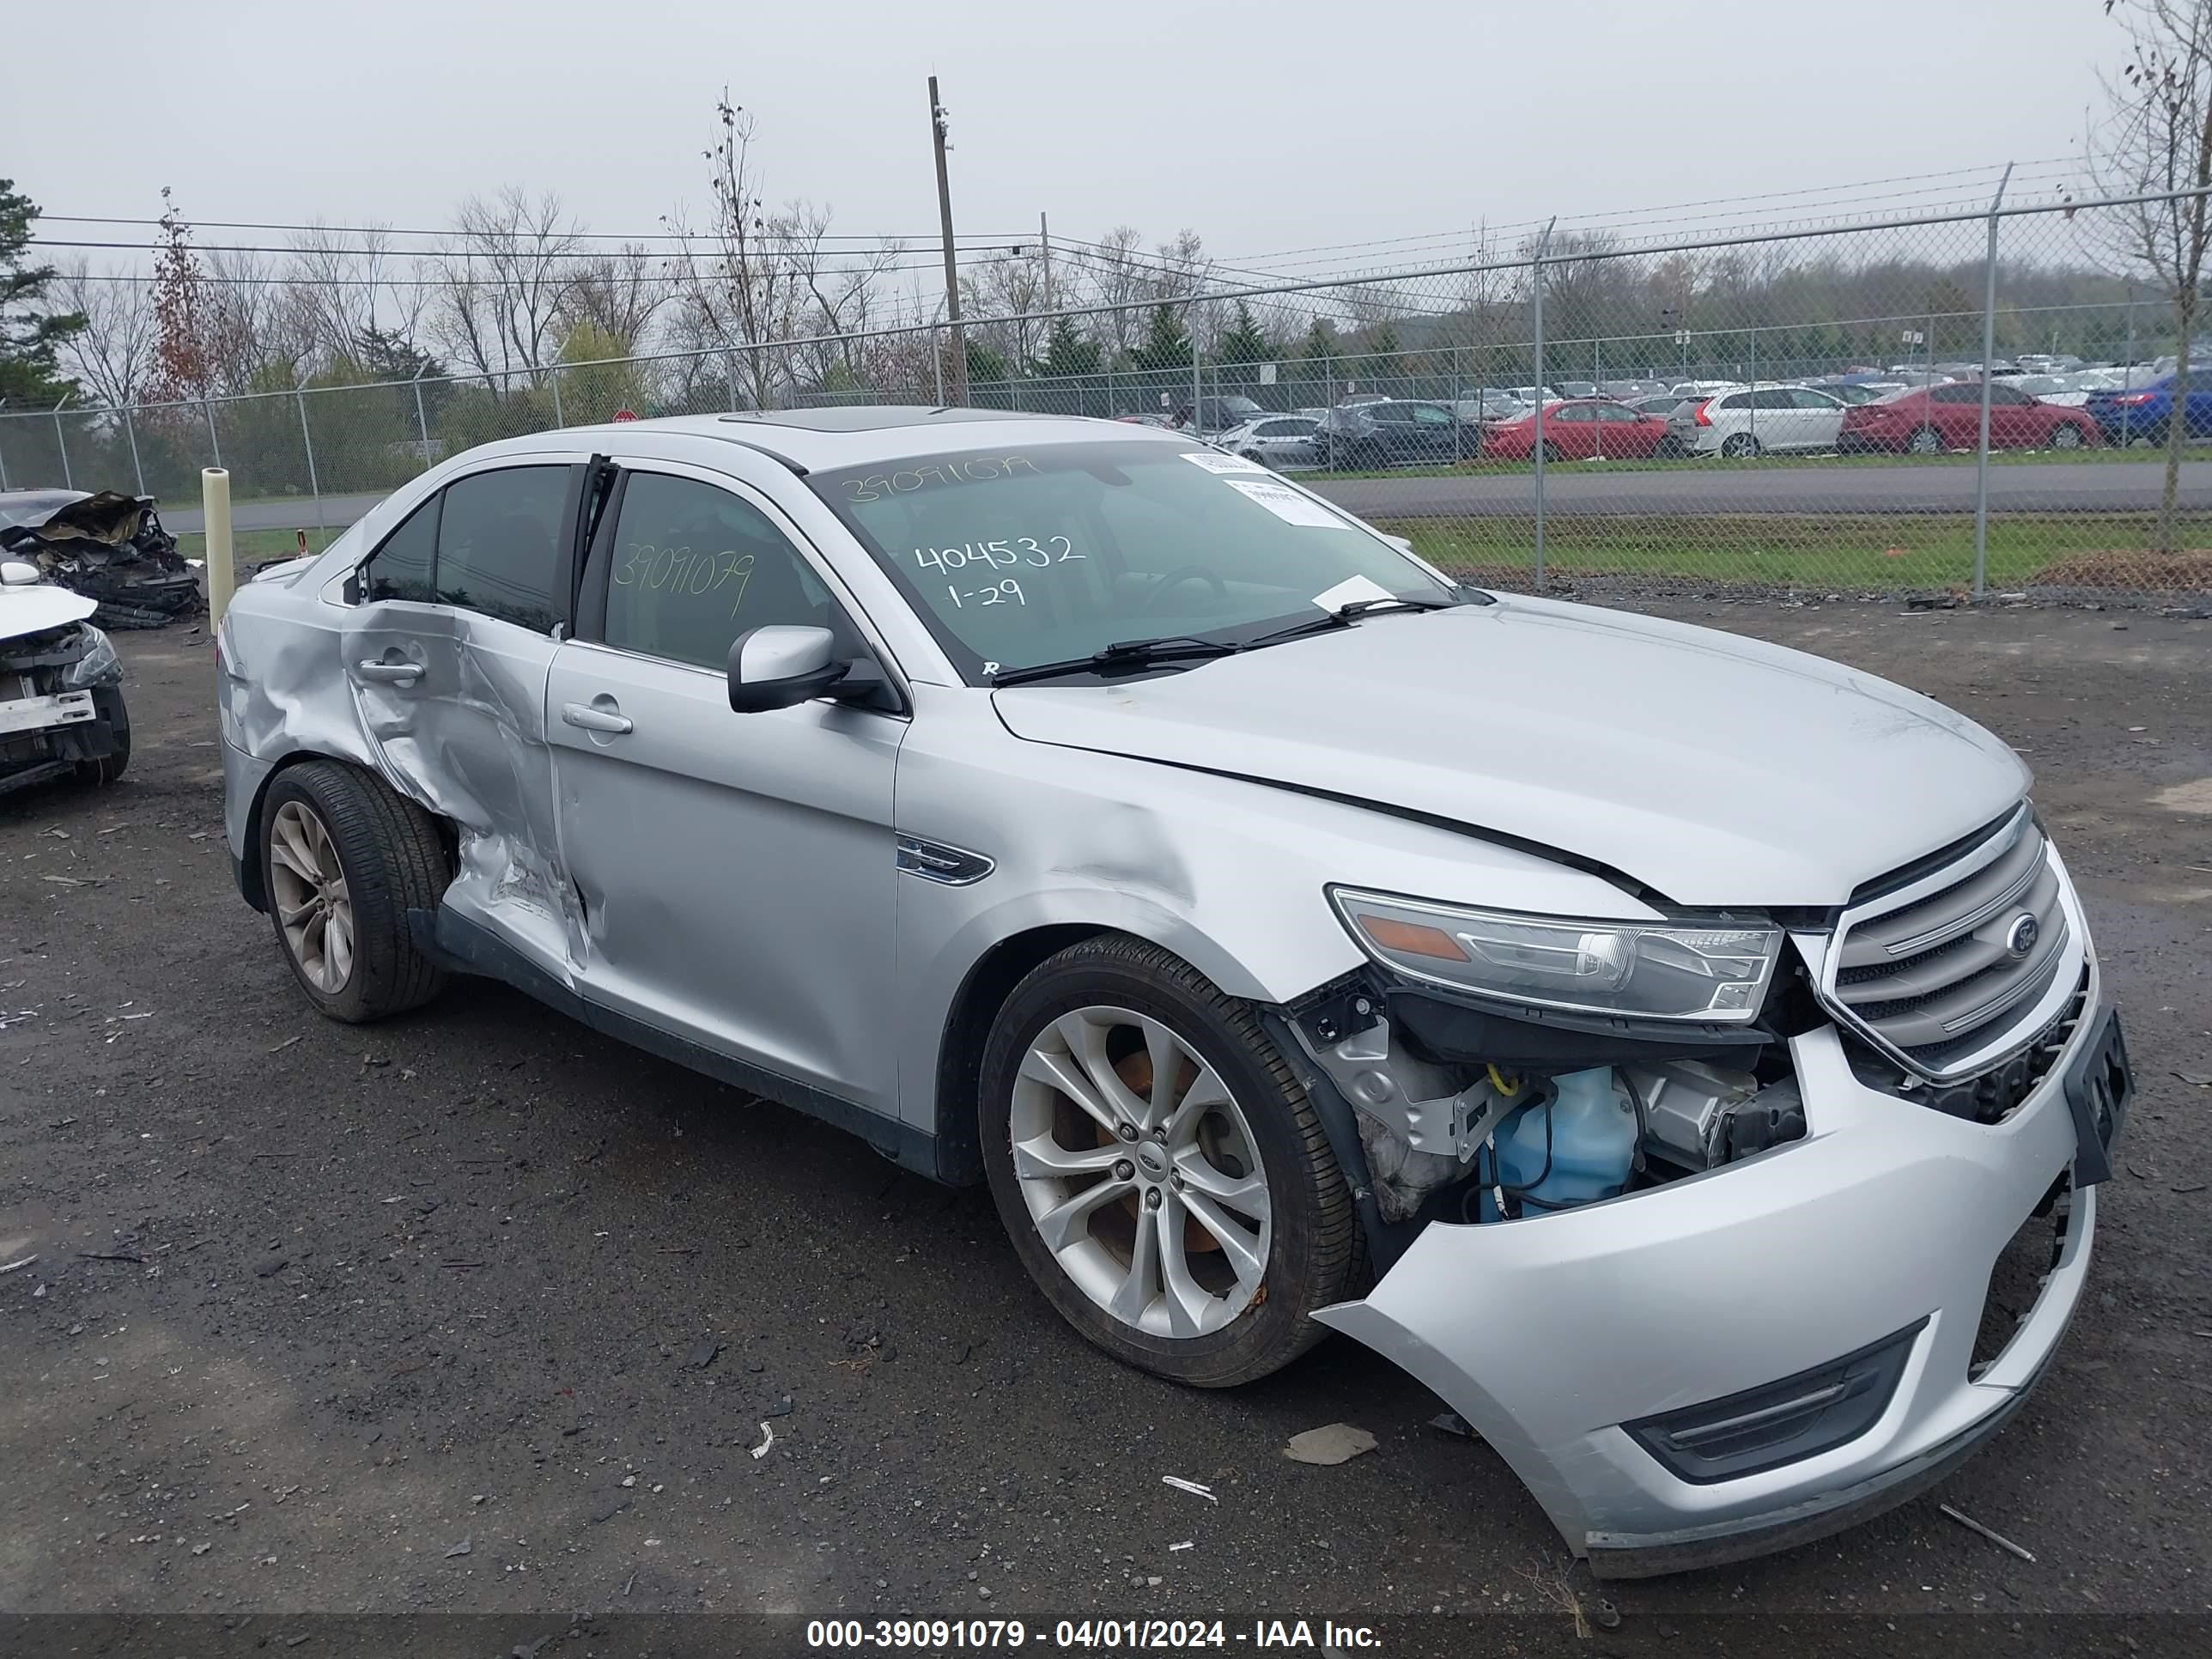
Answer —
32 609
1717 770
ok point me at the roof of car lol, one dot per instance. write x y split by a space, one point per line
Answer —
810 439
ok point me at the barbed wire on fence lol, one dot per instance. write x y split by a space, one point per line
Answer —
1772 412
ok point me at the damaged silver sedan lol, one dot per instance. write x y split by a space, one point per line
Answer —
1657 1042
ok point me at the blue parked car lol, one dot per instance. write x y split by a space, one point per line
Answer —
2141 414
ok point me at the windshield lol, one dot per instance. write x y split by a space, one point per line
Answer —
1016 556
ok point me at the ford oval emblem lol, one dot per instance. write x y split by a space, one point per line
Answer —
2020 937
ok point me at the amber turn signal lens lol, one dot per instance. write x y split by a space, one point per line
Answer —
1411 940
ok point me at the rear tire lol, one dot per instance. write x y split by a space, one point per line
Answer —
2066 435
1924 440
343 860
1201 1308
1740 447
1552 455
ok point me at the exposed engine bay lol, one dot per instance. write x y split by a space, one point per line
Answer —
108 546
1450 1138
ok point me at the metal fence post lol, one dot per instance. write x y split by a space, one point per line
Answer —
131 434
2128 369
215 443
314 484
422 420
1197 388
553 380
1536 318
61 442
1753 380
1989 350
3 452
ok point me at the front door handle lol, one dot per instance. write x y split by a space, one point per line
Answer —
594 719
397 673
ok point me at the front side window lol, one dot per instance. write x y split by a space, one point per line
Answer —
693 566
499 537
1017 557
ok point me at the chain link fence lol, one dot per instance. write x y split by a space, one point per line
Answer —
1957 405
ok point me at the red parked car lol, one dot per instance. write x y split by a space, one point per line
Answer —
1578 429
1926 419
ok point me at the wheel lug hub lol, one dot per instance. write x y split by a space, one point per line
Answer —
1124 1170
1151 1197
1128 1131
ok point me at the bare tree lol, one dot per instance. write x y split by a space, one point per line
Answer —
502 286
736 279
617 294
2156 136
113 353
332 283
1121 277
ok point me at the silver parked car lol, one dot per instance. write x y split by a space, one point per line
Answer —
1652 1042
1278 440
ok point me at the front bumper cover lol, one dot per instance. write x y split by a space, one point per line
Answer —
1548 1335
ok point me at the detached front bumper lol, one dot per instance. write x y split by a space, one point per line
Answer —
1553 1337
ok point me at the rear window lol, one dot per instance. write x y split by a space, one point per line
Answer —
498 537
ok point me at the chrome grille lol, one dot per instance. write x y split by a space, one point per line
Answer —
1959 969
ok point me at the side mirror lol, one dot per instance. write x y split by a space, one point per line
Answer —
779 666
16 573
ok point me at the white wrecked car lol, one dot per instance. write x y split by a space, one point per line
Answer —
1653 1040
61 686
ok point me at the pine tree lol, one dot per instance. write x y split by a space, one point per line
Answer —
1245 342
1166 345
1068 354
29 336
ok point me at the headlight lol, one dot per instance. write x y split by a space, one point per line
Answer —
99 665
1710 971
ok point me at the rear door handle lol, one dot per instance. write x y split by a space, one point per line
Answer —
397 673
593 720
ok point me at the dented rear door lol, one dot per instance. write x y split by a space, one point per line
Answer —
448 656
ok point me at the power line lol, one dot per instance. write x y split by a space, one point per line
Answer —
387 230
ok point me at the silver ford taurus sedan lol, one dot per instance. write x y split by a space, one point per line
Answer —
1656 1041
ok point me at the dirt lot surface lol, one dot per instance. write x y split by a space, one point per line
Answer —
477 1311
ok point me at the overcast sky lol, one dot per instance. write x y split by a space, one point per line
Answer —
1266 125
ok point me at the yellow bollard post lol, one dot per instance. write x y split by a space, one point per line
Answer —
221 566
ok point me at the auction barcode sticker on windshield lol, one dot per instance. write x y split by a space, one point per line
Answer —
1214 461
1286 504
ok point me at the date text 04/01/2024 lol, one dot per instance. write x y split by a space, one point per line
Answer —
1165 1634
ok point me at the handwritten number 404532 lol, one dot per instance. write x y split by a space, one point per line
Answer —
1019 550
679 570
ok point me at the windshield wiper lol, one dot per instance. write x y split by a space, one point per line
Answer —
1122 653
1342 615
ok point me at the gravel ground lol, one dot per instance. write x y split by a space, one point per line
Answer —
477 1311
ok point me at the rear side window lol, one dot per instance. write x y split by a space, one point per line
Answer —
694 566
400 569
499 539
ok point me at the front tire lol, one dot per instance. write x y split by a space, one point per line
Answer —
2066 435
1193 1238
1924 440
344 860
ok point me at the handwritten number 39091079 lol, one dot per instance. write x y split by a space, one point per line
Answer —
679 570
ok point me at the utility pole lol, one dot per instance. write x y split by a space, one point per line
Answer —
959 343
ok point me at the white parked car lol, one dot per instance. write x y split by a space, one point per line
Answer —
1276 440
1760 420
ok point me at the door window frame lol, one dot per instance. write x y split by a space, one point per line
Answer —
564 552
590 627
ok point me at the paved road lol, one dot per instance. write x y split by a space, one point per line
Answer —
1692 490
422 1314
1686 491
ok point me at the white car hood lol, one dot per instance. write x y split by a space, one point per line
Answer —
1714 769
32 609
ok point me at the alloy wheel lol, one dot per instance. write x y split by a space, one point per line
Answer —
307 885
1140 1172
